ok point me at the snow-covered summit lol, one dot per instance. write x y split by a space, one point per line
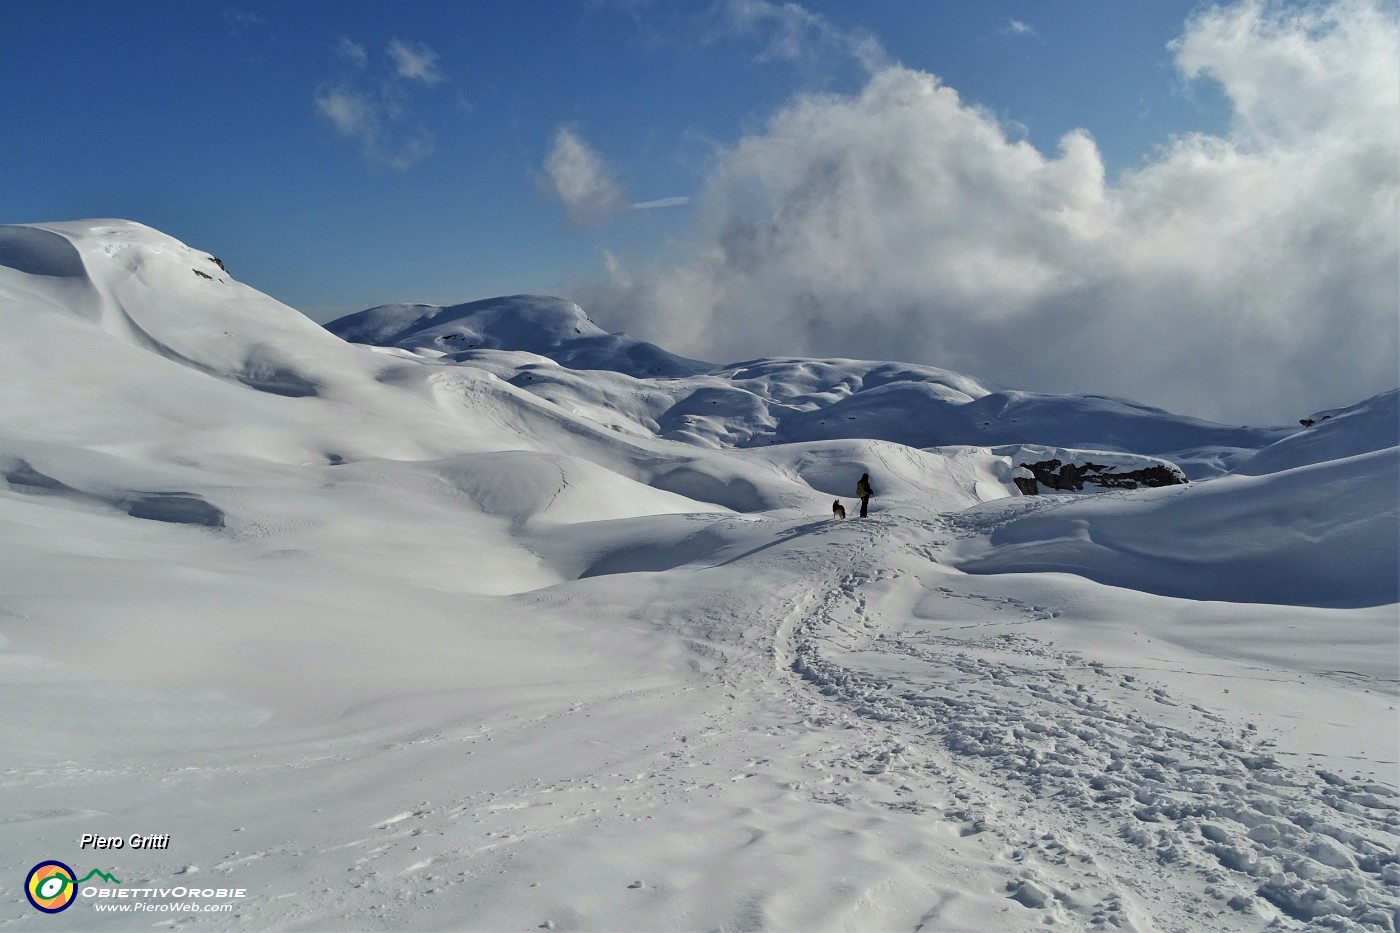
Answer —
538 324
122 275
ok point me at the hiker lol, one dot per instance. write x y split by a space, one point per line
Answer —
865 492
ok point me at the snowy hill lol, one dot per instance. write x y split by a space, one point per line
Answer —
505 622
547 326
780 401
1333 435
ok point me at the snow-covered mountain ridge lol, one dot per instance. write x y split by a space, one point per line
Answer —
556 631
777 401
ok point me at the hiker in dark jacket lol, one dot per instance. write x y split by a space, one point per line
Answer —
864 491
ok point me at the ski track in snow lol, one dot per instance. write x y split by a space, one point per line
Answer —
1037 737
831 717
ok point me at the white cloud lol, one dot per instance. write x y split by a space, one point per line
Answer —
360 117
414 61
240 22
1016 27
351 113
1247 276
791 32
352 51
580 180
378 112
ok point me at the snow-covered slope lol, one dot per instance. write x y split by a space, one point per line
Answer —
538 324
556 631
1323 534
780 401
1373 424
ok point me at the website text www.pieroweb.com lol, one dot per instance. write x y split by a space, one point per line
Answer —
52 886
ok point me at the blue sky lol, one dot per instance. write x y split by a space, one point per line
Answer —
202 120
1191 204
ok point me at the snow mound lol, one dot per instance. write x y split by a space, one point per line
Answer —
1326 534
521 486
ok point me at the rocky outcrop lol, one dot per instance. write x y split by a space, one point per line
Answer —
1071 477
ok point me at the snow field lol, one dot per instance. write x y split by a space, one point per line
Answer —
435 638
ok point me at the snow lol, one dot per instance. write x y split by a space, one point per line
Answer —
1358 429
538 324
1310 536
556 631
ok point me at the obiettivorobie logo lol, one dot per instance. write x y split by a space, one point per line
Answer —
52 886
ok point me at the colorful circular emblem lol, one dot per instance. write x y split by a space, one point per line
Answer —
50 887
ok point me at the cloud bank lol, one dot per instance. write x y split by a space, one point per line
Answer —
1252 276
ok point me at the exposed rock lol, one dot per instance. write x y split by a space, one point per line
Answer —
1071 477
1027 485
1148 476
203 275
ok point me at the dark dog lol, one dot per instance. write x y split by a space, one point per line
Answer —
838 510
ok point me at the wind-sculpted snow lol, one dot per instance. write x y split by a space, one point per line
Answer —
34 251
557 631
1321 535
1361 428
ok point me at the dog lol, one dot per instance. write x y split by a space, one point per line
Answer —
838 510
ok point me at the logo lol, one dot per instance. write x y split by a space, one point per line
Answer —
52 886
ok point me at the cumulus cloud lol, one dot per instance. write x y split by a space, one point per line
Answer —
585 185
414 61
578 178
1249 276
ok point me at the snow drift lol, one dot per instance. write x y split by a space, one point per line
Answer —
1323 534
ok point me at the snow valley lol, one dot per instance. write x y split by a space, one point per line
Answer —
480 617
